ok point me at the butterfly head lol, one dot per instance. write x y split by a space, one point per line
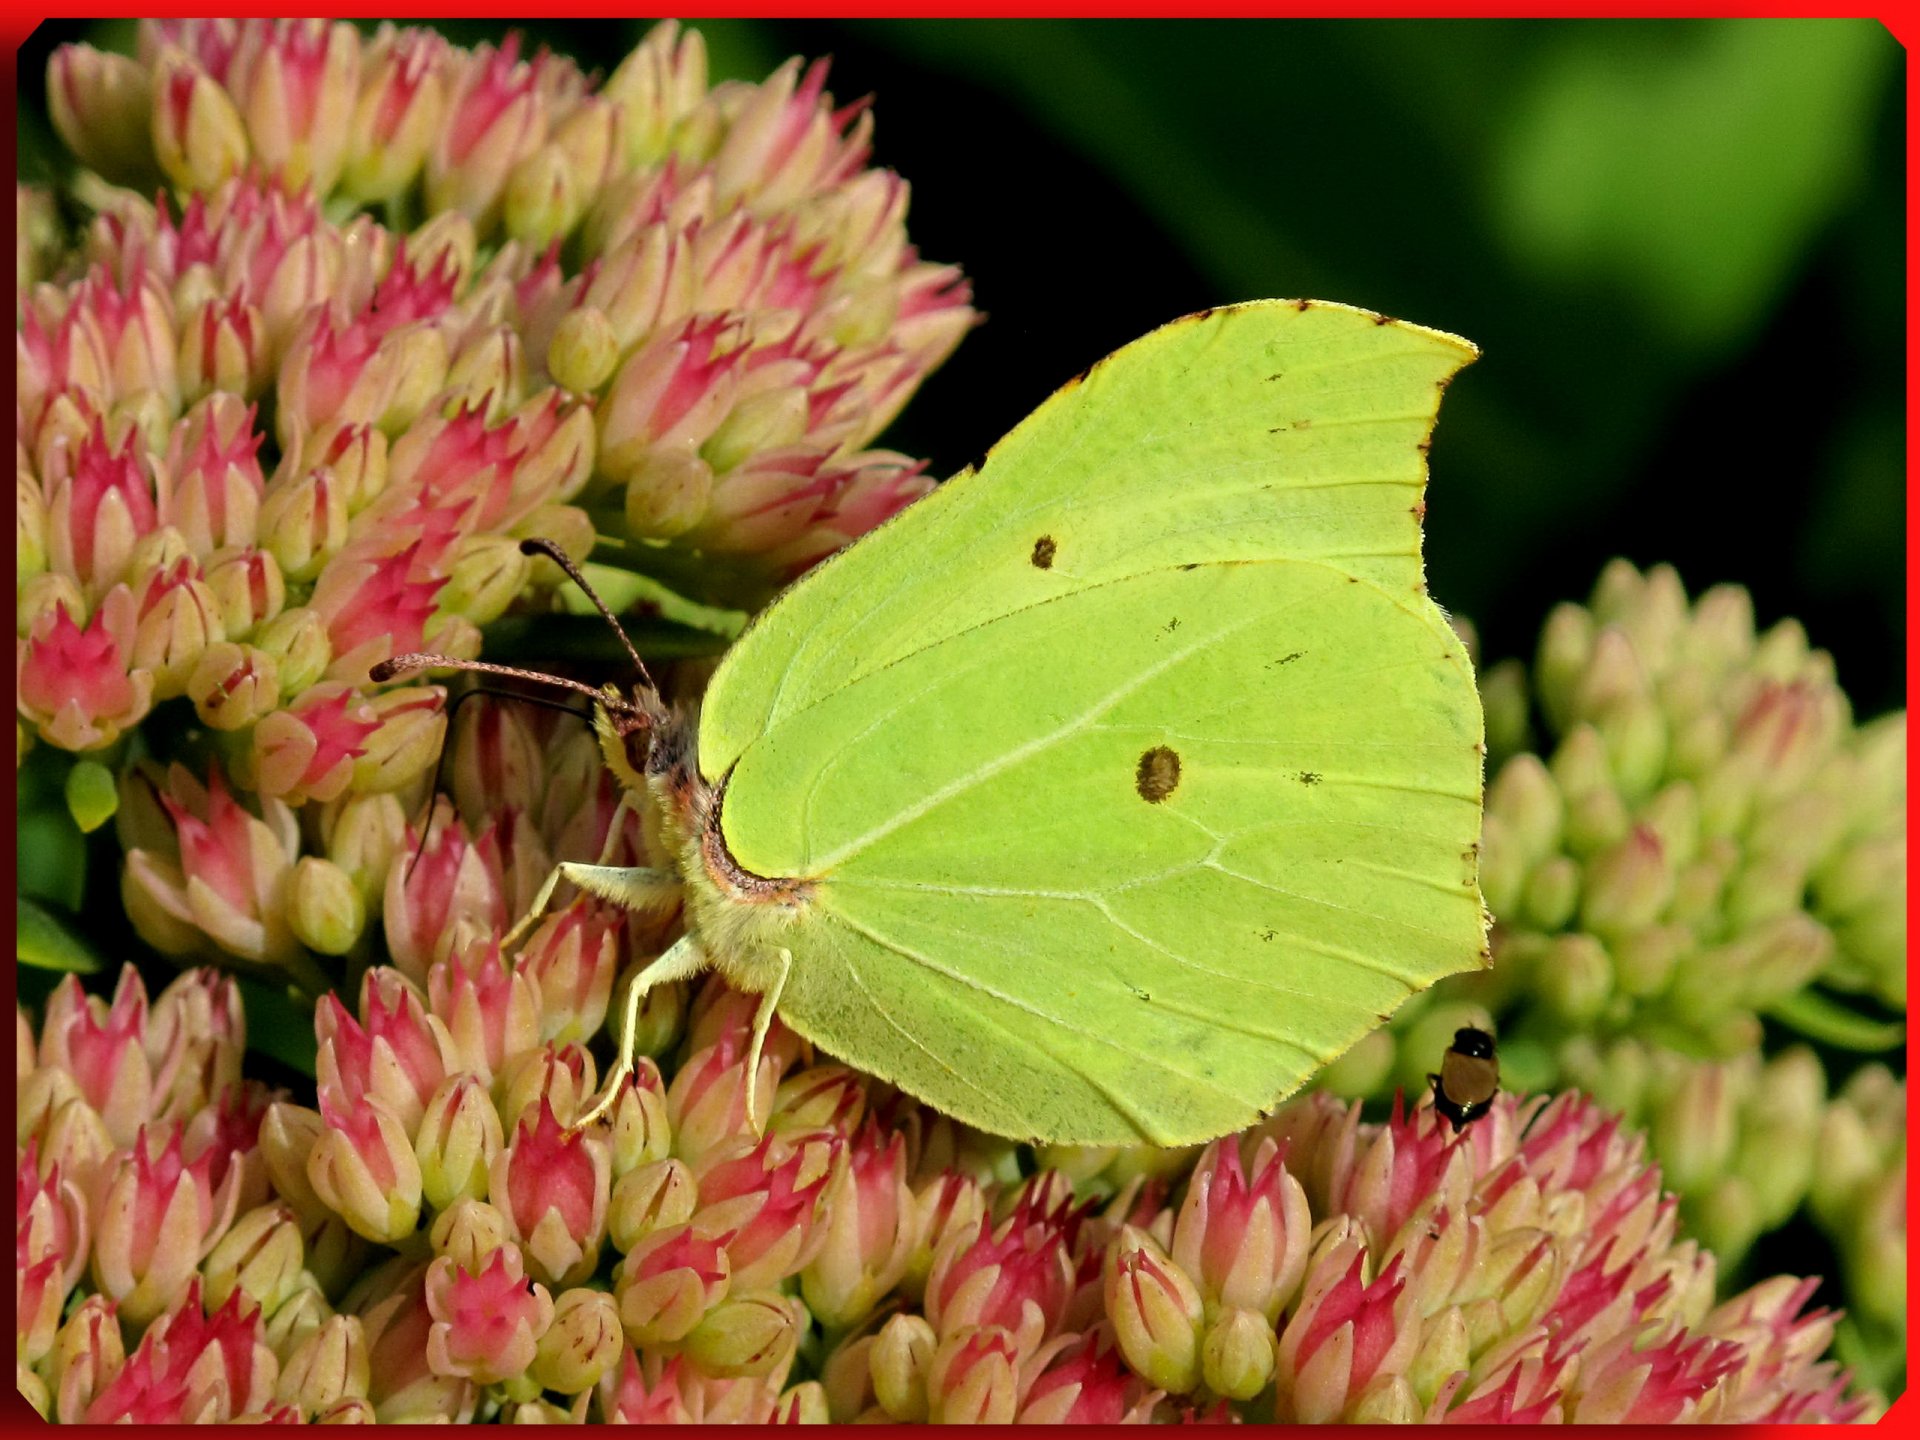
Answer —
632 732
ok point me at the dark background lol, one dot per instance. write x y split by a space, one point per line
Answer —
1680 245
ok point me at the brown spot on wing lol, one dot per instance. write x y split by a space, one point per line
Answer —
1157 775
1043 551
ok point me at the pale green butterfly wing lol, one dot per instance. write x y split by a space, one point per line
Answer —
1013 919
1261 431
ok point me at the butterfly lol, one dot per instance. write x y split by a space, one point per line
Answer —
1112 789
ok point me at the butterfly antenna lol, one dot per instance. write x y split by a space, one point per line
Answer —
440 769
406 664
538 546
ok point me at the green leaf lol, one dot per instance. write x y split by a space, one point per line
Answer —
49 942
92 796
278 1024
1819 1016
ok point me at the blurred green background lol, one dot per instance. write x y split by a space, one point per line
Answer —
1680 245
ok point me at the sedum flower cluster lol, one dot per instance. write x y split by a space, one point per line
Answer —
1697 840
423 1236
395 305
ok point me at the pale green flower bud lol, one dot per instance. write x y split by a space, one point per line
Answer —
746 1335
324 908
262 1254
102 104
458 1137
1628 885
364 836
583 351
1237 1354
654 1196
902 1352
489 572
298 1317
329 1366
583 1343
468 1233
1695 1127
297 641
667 494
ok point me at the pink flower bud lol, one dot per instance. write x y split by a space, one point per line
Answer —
870 1226
307 752
486 1326
553 1188
231 879
156 1217
411 724
247 589
948 1204
38 1295
787 141
1344 1333
765 1197
210 486
670 395
1621 1380
627 1396
490 1013
571 957
223 349
298 97
496 117
99 503
707 1101
88 1354
198 136
1243 1241
562 1076
397 1058
363 1167
52 1222
973 1377
1017 1277
658 84
136 325
196 1035
668 1281
402 1383
397 114
104 1049
1087 1383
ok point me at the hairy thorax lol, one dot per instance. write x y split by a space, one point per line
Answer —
742 919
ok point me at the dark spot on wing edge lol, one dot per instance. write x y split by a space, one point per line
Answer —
1043 549
1157 775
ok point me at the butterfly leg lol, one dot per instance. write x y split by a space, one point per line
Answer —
762 1019
634 888
681 960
